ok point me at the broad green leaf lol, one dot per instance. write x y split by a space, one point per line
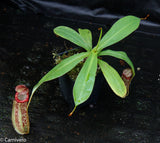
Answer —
71 35
62 68
87 36
113 78
120 55
121 29
85 80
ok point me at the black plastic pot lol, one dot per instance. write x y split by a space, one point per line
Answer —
66 87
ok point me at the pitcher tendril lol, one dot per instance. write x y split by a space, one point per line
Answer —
145 18
70 114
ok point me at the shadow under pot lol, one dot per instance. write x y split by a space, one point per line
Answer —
66 87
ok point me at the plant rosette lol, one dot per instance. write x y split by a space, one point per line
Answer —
85 80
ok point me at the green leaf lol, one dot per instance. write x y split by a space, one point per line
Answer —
120 55
100 36
85 80
87 36
62 68
113 78
121 29
71 35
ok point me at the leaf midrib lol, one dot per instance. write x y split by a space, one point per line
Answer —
90 65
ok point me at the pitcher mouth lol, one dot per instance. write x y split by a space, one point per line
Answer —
22 94
127 74
21 98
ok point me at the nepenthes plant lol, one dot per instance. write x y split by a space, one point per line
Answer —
85 80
